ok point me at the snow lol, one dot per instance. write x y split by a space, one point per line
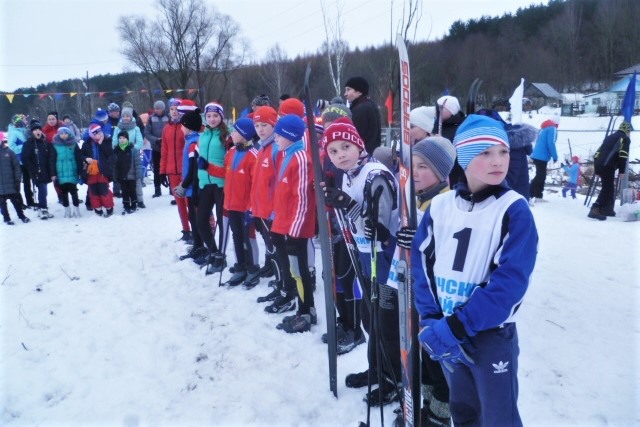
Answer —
102 325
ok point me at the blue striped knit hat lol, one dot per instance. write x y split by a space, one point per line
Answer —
476 134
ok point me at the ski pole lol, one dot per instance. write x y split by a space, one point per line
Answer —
375 317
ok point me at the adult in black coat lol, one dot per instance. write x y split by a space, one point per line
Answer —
365 114
35 157
449 115
612 155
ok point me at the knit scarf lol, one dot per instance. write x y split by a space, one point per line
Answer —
127 126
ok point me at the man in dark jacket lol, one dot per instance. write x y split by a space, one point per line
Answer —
153 134
612 155
364 112
35 157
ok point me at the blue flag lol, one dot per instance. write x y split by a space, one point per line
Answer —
629 101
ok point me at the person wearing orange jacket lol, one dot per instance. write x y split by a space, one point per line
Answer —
171 161
238 164
294 223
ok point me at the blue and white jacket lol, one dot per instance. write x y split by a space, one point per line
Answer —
472 258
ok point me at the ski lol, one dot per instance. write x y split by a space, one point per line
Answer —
409 346
325 239
473 95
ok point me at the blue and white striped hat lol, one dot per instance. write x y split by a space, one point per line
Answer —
476 134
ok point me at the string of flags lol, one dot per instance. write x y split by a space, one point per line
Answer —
100 94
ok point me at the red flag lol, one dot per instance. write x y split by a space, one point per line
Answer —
389 104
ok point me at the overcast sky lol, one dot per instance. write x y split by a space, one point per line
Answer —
45 40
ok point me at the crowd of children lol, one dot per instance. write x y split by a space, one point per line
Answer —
472 254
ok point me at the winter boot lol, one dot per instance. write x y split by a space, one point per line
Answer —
596 213
253 278
157 192
389 394
99 212
194 252
216 263
283 303
237 278
187 237
141 205
608 211
108 213
75 212
361 379
271 296
67 212
348 342
312 319
436 414
299 323
25 219
267 270
9 222
44 214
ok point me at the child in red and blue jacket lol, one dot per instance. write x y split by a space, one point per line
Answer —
238 164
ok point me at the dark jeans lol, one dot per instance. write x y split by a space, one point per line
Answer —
193 221
606 198
155 159
26 182
42 195
129 194
66 190
240 230
537 183
16 201
209 197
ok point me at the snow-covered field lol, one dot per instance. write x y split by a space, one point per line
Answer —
102 325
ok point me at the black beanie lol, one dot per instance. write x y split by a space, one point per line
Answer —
123 133
358 83
192 120
34 124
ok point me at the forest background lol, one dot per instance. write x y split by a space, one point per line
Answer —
574 45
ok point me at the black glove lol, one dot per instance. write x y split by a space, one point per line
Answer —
164 180
337 198
382 234
202 163
405 237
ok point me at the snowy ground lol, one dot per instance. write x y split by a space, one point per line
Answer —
102 325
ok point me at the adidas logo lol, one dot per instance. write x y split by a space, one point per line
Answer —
500 367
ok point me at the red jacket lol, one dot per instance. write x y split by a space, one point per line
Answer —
294 204
172 149
239 167
264 173
50 131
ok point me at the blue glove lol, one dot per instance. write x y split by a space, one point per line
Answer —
202 163
439 341
19 141
248 218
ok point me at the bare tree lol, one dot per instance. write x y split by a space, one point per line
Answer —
274 71
188 42
334 47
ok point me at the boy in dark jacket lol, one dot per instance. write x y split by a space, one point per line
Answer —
10 177
126 171
35 156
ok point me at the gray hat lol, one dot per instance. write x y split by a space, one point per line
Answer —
159 104
127 112
334 111
439 154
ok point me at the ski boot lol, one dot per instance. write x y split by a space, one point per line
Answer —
216 263
238 277
252 279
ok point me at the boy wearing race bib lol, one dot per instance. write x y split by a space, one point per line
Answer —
472 259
